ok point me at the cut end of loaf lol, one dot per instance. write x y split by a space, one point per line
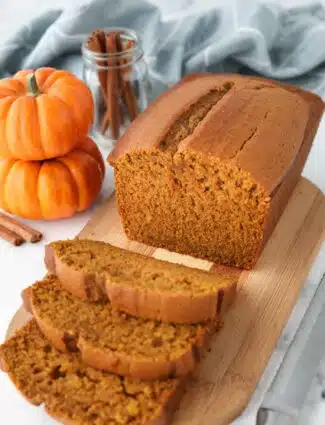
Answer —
193 205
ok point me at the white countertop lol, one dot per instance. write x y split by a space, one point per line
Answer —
21 266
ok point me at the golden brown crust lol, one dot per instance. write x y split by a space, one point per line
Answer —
167 307
56 337
25 295
49 259
120 363
88 287
58 417
271 116
144 369
170 307
171 405
282 193
145 132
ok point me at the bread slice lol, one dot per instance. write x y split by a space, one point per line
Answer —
113 341
76 394
139 285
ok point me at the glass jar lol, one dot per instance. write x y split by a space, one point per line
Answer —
116 73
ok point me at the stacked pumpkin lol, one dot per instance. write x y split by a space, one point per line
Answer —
49 167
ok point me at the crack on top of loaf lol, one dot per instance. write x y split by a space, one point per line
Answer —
264 86
250 137
186 124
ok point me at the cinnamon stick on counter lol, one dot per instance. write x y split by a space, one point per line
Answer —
10 236
26 233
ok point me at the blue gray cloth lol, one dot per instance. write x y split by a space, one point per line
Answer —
231 36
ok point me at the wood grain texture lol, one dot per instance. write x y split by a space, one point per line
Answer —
226 379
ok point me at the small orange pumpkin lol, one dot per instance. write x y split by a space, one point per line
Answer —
43 114
54 188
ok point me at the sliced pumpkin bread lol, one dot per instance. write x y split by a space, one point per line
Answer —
76 394
139 285
113 341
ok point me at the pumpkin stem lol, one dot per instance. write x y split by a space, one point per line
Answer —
32 85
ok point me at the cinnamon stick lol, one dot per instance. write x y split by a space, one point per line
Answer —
105 122
130 44
127 91
10 236
113 109
117 85
27 233
131 100
97 43
119 49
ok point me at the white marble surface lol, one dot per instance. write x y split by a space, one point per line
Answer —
21 266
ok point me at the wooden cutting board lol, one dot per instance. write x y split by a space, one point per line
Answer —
226 379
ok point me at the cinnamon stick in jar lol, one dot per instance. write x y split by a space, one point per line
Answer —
113 108
120 58
97 44
126 88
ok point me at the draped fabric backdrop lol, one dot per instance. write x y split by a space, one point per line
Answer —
232 36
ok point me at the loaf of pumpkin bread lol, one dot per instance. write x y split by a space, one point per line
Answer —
113 341
208 168
138 285
76 394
